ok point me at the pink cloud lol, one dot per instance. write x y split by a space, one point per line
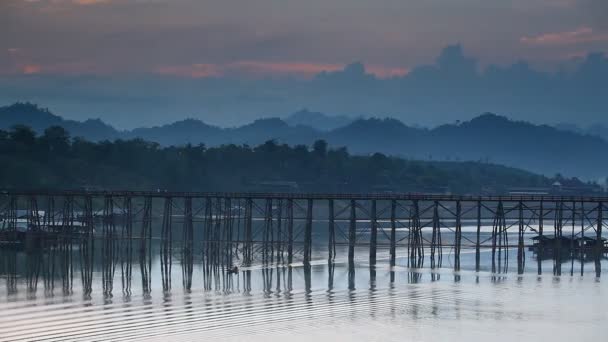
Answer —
262 69
30 69
580 35
386 72
193 71
89 2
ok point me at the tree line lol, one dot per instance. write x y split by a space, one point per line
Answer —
54 160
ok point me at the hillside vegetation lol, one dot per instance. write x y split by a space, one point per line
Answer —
54 160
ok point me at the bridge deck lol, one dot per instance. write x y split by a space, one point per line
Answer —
313 196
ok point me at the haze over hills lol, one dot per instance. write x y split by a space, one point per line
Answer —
596 130
453 86
488 137
317 120
40 118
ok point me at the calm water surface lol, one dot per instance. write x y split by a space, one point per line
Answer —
328 302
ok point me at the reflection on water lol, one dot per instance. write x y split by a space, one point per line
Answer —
108 289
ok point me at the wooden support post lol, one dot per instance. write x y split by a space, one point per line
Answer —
308 234
599 243
572 247
109 225
167 231
458 236
34 215
504 243
331 244
520 242
477 244
146 227
352 232
227 232
127 207
248 231
279 230
435 235
267 231
539 248
12 216
496 231
88 216
217 229
166 242
416 247
207 228
583 251
126 254
289 231
558 227
50 214
188 233
374 234
393 233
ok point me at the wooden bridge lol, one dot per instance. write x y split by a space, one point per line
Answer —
273 227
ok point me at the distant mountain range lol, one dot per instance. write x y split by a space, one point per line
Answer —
488 137
597 130
318 121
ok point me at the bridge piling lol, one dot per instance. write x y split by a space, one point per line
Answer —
416 242
458 236
146 226
374 234
248 249
520 239
436 237
557 228
573 251
308 233
393 248
478 238
352 232
279 231
540 250
599 242
331 244
289 231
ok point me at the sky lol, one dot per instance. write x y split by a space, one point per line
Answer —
227 62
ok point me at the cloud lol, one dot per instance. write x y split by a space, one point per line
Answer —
76 2
581 35
30 69
193 71
262 69
89 2
387 72
450 89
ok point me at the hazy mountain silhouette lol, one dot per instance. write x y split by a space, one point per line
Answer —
39 119
273 128
178 133
597 130
372 135
488 137
453 86
317 120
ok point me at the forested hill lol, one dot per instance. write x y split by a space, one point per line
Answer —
488 137
53 160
